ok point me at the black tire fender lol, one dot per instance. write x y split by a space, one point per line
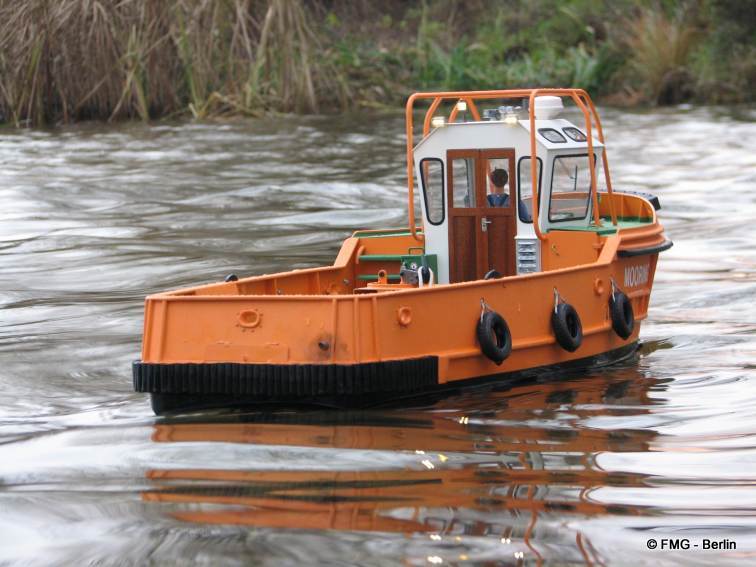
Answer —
494 337
567 327
621 312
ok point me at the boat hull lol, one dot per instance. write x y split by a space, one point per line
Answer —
315 335
275 341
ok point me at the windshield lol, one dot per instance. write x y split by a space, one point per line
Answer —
570 188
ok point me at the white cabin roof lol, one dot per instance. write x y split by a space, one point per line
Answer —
488 134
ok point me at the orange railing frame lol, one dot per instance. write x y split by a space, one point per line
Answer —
581 99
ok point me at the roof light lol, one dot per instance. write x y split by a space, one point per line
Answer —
511 118
438 121
461 106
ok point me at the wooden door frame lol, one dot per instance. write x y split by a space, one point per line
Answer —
481 209
509 212
453 212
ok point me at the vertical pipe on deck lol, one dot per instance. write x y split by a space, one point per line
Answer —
533 166
410 162
604 159
591 158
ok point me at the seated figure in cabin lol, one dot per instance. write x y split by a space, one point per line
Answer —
498 196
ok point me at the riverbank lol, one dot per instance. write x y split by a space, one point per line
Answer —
68 60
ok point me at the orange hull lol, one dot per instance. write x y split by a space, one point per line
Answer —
314 316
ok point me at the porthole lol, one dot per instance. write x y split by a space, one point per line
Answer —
552 135
575 134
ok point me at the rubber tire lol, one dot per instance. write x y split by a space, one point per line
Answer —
621 311
493 325
492 275
567 327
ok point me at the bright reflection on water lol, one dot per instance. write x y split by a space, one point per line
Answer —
584 469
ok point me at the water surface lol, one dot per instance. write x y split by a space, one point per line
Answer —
585 469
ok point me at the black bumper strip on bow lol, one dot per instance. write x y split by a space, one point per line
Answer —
666 245
286 380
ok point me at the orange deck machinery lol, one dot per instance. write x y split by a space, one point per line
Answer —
523 261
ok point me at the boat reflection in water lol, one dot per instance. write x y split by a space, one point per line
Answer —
449 475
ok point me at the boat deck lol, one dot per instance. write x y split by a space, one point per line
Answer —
623 223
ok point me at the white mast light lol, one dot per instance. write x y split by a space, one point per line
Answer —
547 107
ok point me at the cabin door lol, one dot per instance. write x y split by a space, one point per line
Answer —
480 193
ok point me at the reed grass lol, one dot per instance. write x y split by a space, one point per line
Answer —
67 60
661 49
63 60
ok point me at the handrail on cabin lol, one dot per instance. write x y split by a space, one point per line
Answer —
579 96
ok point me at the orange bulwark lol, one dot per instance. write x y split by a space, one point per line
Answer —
519 265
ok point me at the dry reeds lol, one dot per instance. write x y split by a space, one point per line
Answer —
66 60
660 48
286 63
63 60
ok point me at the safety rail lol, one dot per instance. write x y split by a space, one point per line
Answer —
581 99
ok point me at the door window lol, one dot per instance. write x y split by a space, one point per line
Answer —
498 183
463 180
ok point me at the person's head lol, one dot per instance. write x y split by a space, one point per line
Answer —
499 178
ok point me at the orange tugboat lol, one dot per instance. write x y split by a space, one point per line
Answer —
520 266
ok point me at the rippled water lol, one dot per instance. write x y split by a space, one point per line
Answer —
582 470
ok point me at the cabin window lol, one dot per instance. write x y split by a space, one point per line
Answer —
570 188
463 177
432 173
499 182
552 135
575 134
525 203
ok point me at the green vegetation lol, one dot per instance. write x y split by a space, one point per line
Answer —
66 60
